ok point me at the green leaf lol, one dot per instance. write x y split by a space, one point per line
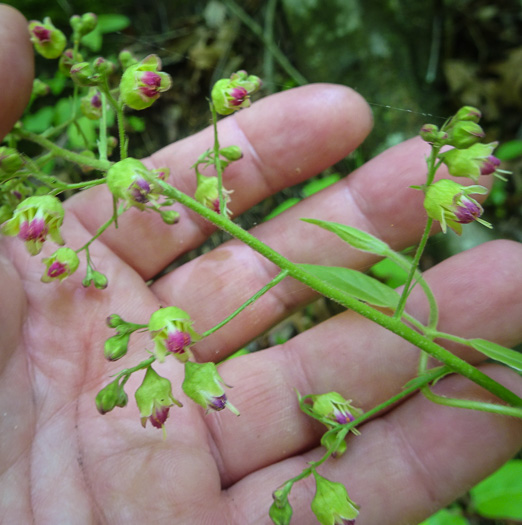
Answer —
89 130
316 185
446 517
137 124
354 283
500 353
282 207
40 121
509 150
390 273
358 239
500 495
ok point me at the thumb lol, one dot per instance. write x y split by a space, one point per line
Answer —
16 65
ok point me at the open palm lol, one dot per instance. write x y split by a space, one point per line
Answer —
61 462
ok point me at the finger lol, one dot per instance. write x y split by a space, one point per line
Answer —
359 359
376 198
406 464
276 135
16 63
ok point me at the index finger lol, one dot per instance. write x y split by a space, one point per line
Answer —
286 138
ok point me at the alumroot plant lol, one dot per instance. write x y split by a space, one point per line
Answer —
32 211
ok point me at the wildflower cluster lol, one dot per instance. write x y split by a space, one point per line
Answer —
449 202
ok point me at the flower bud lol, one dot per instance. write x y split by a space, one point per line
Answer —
471 162
110 397
84 75
202 384
83 25
431 134
67 60
99 280
231 94
172 333
231 153
10 161
132 182
60 265
116 346
40 89
127 59
331 503
280 511
114 321
142 83
34 219
468 113
169 216
208 195
449 203
154 399
329 441
464 134
103 67
91 104
47 40
112 144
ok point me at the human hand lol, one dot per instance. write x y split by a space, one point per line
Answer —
61 462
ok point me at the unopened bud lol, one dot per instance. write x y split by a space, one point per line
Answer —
116 346
110 397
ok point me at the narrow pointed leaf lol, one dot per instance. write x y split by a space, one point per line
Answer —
354 283
500 353
357 238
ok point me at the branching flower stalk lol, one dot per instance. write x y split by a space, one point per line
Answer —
35 217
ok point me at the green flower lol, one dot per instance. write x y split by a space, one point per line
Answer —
47 40
172 333
231 94
154 399
34 219
60 265
142 83
331 504
203 385
449 203
471 162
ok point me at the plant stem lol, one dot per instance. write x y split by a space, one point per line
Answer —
395 325
472 405
276 280
413 268
57 151
101 229
217 163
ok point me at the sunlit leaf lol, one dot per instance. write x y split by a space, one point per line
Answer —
354 283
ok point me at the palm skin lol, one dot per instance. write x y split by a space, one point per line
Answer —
61 462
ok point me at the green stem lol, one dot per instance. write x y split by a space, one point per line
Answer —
298 78
472 405
101 229
102 143
57 151
276 280
413 269
217 163
403 262
395 325
129 371
118 108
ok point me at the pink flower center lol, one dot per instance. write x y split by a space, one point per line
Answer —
342 417
36 230
467 211
42 34
159 416
490 165
177 341
56 269
218 403
140 190
96 101
238 95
